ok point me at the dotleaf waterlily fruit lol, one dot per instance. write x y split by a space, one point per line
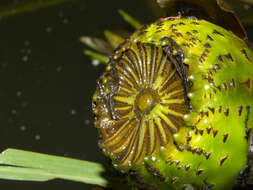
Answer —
174 105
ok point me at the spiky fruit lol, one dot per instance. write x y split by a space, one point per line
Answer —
174 105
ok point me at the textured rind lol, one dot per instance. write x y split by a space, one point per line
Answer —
216 68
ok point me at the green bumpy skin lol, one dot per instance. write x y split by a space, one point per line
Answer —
174 105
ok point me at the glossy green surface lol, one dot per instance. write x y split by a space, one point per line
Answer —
210 148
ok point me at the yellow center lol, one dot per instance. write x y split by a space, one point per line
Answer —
146 100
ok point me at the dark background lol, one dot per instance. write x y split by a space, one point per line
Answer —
46 83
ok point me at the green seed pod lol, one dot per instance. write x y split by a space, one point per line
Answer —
174 105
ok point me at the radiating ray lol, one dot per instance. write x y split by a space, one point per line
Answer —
170 87
135 60
124 99
110 141
168 121
127 75
130 67
161 131
130 148
173 94
156 58
139 150
170 101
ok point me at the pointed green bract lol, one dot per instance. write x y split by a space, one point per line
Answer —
131 20
96 56
114 39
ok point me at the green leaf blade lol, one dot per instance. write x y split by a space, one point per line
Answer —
42 167
23 174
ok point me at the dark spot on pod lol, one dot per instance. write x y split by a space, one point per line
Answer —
177 162
135 176
174 30
220 58
181 23
196 131
232 83
207 45
198 172
195 31
216 32
240 110
246 123
188 138
174 179
189 34
248 132
245 54
186 44
229 56
195 23
178 34
220 109
171 19
207 51
222 160
172 26
208 186
201 132
142 33
155 172
199 151
194 150
226 112
164 39
184 187
207 155
160 23
219 88
180 167
208 130
209 38
202 113
212 109
188 148
202 57
187 167
247 83
181 149
145 27
193 40
190 84
225 137
215 132
217 66
224 85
